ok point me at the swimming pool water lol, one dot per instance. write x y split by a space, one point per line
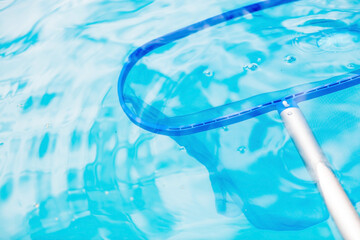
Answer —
72 166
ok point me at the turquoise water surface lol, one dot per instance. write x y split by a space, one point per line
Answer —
73 166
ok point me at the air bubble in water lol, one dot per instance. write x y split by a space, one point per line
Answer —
290 59
226 128
208 73
241 149
351 66
182 148
252 67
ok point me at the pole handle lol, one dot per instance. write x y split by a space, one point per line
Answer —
339 205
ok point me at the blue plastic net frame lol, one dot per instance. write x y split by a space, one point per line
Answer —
339 83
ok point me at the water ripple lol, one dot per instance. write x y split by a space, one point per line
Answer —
72 164
343 40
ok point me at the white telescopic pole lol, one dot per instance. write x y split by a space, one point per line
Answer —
340 207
